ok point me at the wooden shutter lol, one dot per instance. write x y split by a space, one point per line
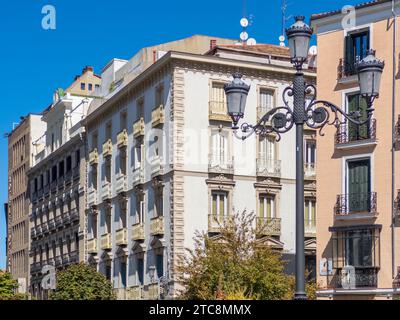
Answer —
349 55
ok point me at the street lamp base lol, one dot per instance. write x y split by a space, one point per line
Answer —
300 296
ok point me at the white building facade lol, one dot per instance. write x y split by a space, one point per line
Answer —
164 163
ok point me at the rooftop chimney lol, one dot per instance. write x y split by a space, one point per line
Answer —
87 68
213 43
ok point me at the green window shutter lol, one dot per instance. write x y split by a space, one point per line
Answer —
349 56
359 185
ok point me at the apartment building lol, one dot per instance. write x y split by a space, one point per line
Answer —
57 183
163 163
358 238
19 162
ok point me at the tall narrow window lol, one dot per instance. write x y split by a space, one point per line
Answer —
61 169
107 217
122 160
140 213
94 177
356 47
123 274
108 130
310 151
139 156
158 202
219 204
266 98
267 206
359 185
95 140
140 109
356 103
107 170
219 148
160 265
218 98
69 163
159 96
140 271
123 120
309 212
77 158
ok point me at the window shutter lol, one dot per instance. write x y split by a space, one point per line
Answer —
349 55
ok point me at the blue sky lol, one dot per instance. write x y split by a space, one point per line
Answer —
34 61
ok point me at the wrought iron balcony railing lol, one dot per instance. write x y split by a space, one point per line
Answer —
157 116
364 277
268 167
220 164
353 203
346 69
348 133
268 226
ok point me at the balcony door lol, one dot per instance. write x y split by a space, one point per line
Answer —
266 100
356 103
267 153
359 185
356 47
219 148
267 207
219 205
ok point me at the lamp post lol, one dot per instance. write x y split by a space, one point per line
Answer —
317 114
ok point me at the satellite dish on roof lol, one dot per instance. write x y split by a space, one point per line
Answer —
244 36
313 50
251 42
244 22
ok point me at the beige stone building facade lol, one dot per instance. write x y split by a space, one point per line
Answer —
20 149
358 238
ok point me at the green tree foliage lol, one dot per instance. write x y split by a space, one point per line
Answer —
234 265
8 288
82 282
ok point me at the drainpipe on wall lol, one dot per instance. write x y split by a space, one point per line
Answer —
394 267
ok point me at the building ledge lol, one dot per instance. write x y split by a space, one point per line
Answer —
356 144
371 291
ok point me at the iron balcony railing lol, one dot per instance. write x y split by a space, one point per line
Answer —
364 277
346 68
310 228
218 222
356 203
349 132
219 163
310 170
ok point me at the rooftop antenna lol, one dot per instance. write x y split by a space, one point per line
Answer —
282 37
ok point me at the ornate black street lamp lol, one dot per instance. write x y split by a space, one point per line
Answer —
317 114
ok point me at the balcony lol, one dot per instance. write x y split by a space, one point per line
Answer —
310 171
107 148
121 237
157 226
218 111
351 136
40 194
365 277
92 246
60 183
39 232
66 219
45 228
33 233
68 177
268 167
65 259
138 128
74 257
58 261
138 176
216 223
106 191
134 293
157 167
122 139
53 186
105 242
36 267
46 190
310 228
92 197
59 222
34 197
220 164
121 185
157 116
356 206
74 215
76 173
269 226
93 157
346 71
138 232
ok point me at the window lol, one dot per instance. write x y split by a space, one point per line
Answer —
54 173
310 152
52 142
219 203
35 185
123 120
159 95
41 185
139 156
96 86
108 130
69 163
94 225
309 212
123 274
90 87
94 177
356 47
108 270
122 161
140 109
95 140
160 265
122 214
219 147
139 209
107 171
218 98
107 217
158 202
267 206
83 86
266 100
77 158
358 185
61 169
267 148
140 271
356 103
